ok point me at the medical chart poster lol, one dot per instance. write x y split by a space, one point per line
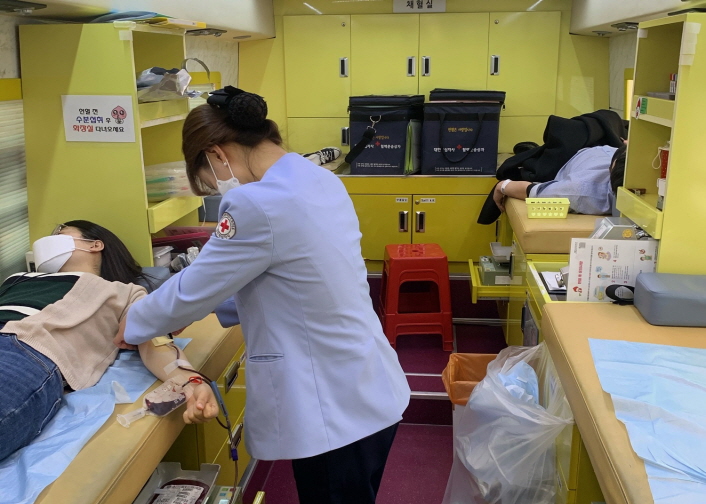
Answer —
98 118
594 264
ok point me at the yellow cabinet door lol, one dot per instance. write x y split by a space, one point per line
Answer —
450 221
384 220
525 46
309 134
316 62
453 51
231 385
384 54
227 476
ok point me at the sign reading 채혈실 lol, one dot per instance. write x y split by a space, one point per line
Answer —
98 118
418 6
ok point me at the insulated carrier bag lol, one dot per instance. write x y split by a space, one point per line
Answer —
460 135
385 134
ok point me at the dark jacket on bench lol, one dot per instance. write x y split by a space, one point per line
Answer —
563 138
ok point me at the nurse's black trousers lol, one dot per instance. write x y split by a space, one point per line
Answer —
348 475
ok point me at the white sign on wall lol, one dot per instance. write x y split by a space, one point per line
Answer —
419 6
98 118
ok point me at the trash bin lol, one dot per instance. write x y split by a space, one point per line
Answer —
504 438
462 374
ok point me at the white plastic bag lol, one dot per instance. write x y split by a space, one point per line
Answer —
505 438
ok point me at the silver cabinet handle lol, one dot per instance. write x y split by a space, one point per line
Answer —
426 66
421 222
343 67
495 65
404 222
411 66
345 135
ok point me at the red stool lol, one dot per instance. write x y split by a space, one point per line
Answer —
415 295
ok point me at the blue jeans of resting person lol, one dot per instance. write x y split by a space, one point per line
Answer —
30 394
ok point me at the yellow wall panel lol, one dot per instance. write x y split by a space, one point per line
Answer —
262 72
80 180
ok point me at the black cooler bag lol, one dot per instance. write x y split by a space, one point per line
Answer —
385 133
460 135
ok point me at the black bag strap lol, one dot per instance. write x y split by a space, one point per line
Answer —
611 292
356 151
442 118
368 136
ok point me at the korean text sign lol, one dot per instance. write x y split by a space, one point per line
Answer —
419 6
98 118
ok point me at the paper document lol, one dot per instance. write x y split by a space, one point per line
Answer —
550 282
595 264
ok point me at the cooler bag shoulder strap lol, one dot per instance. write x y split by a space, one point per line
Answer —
368 136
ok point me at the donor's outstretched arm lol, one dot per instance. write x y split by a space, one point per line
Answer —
201 404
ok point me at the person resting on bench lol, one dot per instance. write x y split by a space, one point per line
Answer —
57 328
589 180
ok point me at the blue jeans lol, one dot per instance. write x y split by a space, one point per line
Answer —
30 394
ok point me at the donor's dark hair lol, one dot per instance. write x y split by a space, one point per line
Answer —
117 264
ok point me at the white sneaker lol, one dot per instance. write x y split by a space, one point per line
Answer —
324 156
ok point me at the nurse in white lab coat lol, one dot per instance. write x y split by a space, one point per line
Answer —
324 387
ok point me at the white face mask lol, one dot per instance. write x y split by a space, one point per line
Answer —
224 185
52 252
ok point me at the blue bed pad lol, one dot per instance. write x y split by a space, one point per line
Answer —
25 473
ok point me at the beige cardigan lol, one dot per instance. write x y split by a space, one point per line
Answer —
77 331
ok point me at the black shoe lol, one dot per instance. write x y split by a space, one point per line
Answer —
323 156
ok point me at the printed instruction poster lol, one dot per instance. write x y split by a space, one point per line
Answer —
98 118
595 264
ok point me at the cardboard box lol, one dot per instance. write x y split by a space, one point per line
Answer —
595 264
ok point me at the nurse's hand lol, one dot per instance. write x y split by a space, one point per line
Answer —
119 339
201 406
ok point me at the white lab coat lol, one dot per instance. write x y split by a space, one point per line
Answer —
320 372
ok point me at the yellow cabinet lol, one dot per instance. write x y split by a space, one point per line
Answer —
384 219
524 58
99 181
666 46
453 51
449 220
209 443
309 134
316 62
227 476
384 49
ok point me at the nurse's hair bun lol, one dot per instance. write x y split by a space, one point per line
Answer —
246 111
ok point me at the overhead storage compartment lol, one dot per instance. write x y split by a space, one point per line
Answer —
598 17
242 19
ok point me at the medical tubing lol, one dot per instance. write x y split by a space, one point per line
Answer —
213 384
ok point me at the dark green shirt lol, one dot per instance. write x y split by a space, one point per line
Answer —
25 294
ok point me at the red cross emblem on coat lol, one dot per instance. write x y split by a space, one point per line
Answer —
226 227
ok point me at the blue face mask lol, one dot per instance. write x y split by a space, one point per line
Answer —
224 185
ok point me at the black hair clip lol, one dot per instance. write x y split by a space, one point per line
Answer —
222 97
